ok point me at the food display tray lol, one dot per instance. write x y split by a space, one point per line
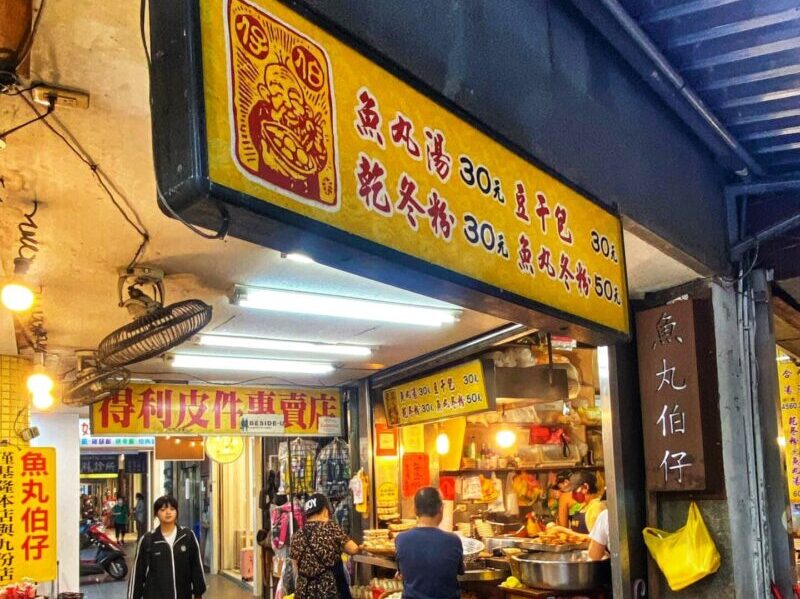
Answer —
381 552
533 546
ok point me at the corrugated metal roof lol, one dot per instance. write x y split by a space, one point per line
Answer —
742 57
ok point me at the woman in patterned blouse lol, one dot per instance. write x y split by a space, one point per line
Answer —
317 550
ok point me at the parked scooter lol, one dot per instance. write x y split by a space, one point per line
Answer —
110 556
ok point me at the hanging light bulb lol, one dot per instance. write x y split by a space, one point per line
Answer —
17 297
43 401
40 385
442 444
506 438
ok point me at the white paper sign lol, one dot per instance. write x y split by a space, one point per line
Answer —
330 425
263 424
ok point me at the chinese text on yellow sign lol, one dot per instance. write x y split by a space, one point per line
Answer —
300 120
201 410
453 392
27 514
790 419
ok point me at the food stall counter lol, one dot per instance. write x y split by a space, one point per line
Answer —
528 593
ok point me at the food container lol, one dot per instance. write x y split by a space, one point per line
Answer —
504 528
572 571
550 548
493 543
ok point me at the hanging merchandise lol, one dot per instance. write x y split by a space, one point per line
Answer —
281 528
527 488
333 470
342 515
496 504
471 488
299 480
359 485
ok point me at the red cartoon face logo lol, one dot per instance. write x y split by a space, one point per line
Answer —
282 107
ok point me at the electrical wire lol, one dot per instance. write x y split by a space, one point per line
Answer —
225 226
20 91
39 117
25 49
105 183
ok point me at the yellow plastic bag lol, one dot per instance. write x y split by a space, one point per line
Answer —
686 555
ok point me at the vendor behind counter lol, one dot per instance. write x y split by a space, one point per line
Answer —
584 505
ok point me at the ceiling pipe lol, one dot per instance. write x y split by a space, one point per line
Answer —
619 28
740 246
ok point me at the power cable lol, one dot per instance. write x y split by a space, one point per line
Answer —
223 230
103 180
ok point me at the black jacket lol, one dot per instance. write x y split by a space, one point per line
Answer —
164 572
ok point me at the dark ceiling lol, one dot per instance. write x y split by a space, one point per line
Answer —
742 57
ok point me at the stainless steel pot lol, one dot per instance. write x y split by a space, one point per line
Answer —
493 543
572 571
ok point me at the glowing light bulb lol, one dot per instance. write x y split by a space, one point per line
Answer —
506 438
16 297
43 401
781 441
40 384
442 444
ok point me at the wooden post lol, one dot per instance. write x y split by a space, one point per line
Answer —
15 25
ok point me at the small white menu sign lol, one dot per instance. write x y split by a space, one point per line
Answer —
330 426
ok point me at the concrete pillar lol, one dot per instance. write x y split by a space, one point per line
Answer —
774 494
61 430
731 331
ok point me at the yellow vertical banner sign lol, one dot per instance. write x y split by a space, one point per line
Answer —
27 514
790 420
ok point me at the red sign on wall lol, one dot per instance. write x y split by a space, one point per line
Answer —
416 473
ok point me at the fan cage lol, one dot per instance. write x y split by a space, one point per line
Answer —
153 334
82 391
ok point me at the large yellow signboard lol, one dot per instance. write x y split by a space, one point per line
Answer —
788 381
27 514
202 410
300 120
457 391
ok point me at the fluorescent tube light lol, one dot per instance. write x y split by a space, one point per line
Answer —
250 364
300 302
241 342
301 258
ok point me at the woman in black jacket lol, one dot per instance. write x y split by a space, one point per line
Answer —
167 564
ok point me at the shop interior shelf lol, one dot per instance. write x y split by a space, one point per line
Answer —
528 469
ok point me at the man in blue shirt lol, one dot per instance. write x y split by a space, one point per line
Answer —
429 559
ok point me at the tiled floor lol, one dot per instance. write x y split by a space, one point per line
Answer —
218 586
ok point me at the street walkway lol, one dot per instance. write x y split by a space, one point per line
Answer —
218 586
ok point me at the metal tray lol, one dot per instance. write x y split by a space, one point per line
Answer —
533 546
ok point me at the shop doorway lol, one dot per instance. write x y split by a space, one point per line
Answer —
236 514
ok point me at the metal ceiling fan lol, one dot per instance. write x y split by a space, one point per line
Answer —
94 382
156 328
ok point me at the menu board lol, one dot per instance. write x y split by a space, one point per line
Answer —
456 391
788 380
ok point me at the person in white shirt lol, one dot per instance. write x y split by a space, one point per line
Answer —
598 537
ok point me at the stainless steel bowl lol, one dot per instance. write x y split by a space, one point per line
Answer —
572 571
